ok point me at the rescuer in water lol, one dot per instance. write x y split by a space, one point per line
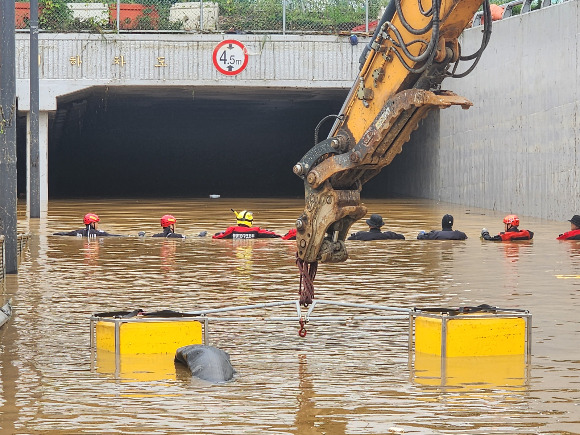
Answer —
574 233
244 228
91 221
374 233
512 232
168 224
447 232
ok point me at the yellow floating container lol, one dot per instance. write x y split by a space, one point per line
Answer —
131 367
146 335
471 372
471 335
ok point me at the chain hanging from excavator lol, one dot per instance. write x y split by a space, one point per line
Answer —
414 47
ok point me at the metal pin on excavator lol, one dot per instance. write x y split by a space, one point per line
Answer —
414 47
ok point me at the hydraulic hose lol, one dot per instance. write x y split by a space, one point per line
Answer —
387 16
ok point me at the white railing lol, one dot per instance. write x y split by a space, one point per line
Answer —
22 240
508 9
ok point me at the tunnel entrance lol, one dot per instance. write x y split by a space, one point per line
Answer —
183 142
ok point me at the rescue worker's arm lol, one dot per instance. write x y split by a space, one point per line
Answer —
354 236
100 233
570 235
425 236
69 233
227 234
485 236
394 235
267 234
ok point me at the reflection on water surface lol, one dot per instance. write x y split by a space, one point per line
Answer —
342 378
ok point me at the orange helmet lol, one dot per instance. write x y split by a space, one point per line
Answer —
167 220
512 220
90 218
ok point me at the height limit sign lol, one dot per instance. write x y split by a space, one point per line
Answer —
230 57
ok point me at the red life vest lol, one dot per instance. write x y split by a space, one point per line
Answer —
241 232
515 235
290 235
570 235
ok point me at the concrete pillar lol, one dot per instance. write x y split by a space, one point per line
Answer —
33 187
42 168
8 220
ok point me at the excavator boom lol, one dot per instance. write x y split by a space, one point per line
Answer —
414 47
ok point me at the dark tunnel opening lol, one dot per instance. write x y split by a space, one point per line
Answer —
235 142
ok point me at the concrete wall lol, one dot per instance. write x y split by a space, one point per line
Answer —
72 62
518 148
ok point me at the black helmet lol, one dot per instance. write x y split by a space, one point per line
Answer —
376 221
447 221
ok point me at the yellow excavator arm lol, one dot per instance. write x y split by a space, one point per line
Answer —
414 47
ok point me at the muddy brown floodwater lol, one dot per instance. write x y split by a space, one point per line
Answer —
342 378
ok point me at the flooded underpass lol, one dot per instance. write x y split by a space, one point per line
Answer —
342 378
189 141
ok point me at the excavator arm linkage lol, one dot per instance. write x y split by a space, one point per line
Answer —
414 47
333 186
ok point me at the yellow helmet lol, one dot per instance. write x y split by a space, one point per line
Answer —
244 218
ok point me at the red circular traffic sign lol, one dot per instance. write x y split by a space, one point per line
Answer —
230 57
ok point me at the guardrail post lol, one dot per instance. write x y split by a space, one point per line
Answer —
8 135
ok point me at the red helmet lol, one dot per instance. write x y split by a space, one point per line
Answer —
512 220
90 218
167 220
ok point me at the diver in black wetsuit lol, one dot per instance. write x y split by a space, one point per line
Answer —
374 233
447 232
91 220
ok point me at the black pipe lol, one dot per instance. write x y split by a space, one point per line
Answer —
387 16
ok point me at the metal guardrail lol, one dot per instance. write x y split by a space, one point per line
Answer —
508 8
303 317
217 16
22 241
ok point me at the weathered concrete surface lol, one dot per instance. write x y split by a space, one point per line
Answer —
518 148
73 62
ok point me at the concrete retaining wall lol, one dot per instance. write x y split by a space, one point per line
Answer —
518 149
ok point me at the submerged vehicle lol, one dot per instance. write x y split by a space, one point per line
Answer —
5 313
414 47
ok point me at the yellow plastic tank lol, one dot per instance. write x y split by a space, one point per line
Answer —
133 367
507 372
147 336
484 334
